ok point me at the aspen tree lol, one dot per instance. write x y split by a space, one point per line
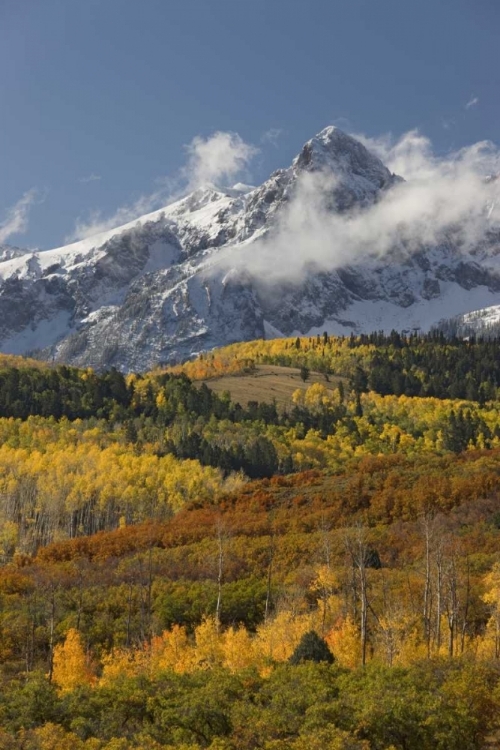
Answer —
70 663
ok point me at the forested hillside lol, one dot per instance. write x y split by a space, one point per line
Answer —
179 570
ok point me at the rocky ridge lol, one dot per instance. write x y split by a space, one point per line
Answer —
164 287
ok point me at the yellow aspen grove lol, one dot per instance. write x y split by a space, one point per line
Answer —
278 638
172 650
397 637
208 643
329 604
238 649
70 663
344 642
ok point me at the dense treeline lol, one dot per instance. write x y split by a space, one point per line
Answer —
151 596
65 479
62 392
176 442
77 394
432 366
431 706
412 365
184 633
286 547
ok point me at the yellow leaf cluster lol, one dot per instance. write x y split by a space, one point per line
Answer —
70 663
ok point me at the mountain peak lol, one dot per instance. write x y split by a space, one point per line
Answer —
332 134
335 150
359 175
158 288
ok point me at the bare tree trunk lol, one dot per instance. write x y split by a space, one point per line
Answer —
220 570
327 547
149 599
439 584
51 631
82 569
364 606
30 633
451 601
357 548
327 556
427 586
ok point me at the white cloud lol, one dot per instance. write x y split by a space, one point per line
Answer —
472 102
221 156
441 195
90 178
16 221
410 156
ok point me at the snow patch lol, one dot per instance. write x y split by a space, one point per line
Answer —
43 335
378 315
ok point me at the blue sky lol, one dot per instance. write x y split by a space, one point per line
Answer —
98 98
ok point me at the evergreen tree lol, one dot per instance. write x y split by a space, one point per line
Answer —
304 373
340 388
359 381
312 648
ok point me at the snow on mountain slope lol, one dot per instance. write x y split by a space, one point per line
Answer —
165 286
488 316
480 322
7 252
380 315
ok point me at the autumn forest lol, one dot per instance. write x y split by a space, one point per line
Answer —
313 565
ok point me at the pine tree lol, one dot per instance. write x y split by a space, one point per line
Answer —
312 648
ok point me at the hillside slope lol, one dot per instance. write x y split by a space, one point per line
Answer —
180 570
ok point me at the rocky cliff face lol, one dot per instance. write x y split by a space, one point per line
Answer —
165 287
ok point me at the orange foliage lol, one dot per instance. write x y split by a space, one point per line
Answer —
383 489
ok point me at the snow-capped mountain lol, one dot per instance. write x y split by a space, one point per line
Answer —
164 286
485 322
7 252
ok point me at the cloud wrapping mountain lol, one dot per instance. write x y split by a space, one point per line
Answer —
338 241
451 194
16 221
219 157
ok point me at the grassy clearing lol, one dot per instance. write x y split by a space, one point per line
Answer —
268 382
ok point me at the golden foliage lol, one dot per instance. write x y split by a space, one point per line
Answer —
172 651
277 639
71 665
344 642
